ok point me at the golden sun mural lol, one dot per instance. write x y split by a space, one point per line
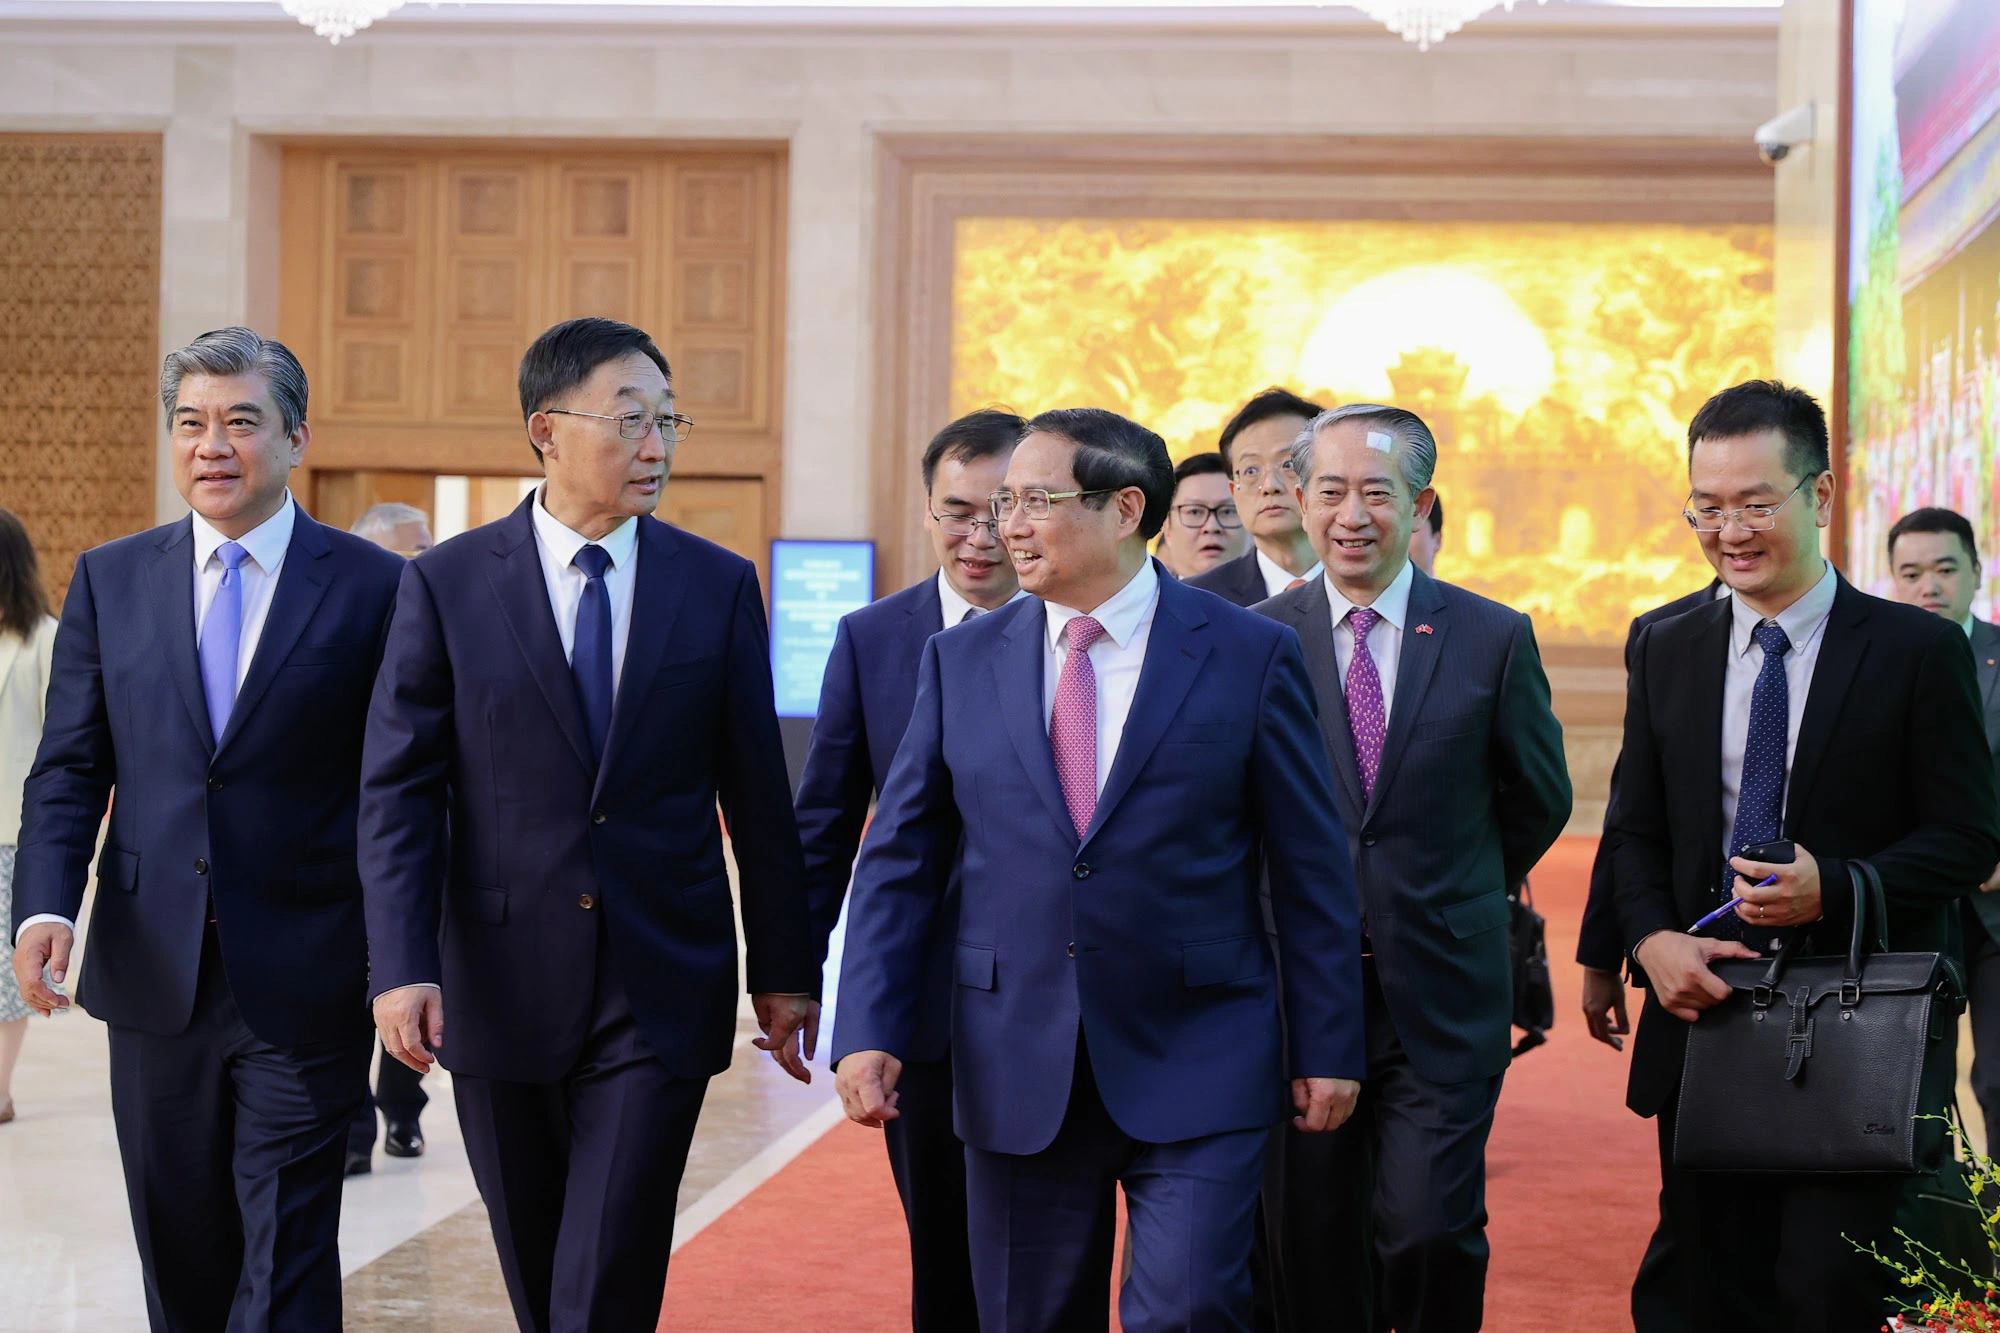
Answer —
1558 364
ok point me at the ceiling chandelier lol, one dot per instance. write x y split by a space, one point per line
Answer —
1427 21
339 18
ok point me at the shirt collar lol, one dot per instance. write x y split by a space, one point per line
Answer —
563 542
1121 612
266 543
1393 605
1275 574
1966 624
954 607
1800 621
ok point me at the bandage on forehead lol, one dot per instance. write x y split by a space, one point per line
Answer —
1378 440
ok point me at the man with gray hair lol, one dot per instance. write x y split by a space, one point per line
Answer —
404 529
215 672
1451 784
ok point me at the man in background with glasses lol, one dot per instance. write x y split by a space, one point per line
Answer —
1256 446
1799 710
1109 766
1204 528
574 687
864 706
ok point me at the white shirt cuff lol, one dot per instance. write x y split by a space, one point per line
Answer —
43 916
410 985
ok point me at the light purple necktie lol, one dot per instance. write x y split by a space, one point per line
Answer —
221 634
1366 716
1073 723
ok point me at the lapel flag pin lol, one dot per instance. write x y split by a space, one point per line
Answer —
1423 629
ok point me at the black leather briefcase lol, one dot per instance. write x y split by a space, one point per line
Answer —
1824 1064
1534 993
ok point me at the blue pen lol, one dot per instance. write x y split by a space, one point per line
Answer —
1727 908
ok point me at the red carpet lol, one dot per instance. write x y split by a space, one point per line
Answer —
820 1246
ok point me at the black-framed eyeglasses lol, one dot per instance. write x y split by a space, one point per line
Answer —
1751 518
634 425
1197 516
1035 501
964 525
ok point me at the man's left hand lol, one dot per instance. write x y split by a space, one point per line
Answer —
1992 881
1794 900
1323 1103
781 1017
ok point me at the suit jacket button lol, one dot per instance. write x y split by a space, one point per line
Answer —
597 816
1367 840
200 866
1072 950
1080 870
215 784
586 902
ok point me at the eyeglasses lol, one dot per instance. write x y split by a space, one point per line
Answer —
634 425
1035 501
964 525
1251 475
1751 518
1196 516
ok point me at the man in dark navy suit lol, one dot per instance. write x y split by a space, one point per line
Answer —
1256 447
864 705
1451 784
1108 766
215 674
574 687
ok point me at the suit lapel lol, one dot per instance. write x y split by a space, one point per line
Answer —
1174 653
1313 619
656 602
516 579
171 574
1415 663
1841 648
1986 660
1018 668
302 584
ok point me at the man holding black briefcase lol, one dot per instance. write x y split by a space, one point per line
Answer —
1797 710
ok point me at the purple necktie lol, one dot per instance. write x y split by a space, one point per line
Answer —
221 637
1366 717
1073 723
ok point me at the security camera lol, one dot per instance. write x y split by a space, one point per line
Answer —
1777 138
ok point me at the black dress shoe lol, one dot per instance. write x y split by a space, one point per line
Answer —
360 1162
403 1139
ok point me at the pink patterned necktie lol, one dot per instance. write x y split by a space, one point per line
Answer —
1073 723
1366 717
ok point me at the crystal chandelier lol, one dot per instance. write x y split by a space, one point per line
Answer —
1427 21
336 19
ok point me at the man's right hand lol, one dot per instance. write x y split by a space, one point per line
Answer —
1604 1007
1677 965
1992 883
44 944
867 1086
411 1018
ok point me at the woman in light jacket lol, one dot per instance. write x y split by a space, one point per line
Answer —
27 637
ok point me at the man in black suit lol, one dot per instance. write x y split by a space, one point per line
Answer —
1797 709
215 674
1934 560
1427 538
1256 446
574 687
864 707
1451 785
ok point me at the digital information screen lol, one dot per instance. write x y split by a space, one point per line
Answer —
813 584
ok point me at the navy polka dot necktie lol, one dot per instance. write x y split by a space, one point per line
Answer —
1760 800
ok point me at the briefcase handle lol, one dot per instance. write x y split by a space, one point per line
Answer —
1867 890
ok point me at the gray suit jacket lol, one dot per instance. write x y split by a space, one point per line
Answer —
1986 660
1472 790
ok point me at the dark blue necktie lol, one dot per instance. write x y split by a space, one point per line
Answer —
590 658
1760 800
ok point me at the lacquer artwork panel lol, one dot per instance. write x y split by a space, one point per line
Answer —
1558 364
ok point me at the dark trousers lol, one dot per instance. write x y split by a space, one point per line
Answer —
580 1176
1770 1252
928 1163
1659 1291
398 1091
1382 1223
1982 965
1042 1226
233 1152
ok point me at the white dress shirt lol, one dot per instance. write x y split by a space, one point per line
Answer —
558 544
1115 659
1804 623
264 555
1385 640
956 609
1276 577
